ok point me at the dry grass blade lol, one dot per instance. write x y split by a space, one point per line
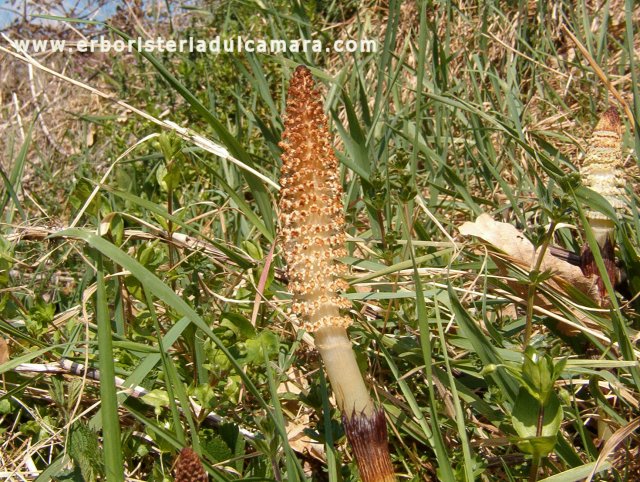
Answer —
185 133
78 369
616 439
600 73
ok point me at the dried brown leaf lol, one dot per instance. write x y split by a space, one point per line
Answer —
295 383
521 252
4 351
300 441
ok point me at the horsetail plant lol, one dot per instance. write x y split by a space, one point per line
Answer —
189 468
312 235
602 171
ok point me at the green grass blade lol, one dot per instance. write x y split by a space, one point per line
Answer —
294 469
173 384
168 296
161 211
460 416
11 182
109 402
630 8
482 347
260 193
443 459
332 466
576 474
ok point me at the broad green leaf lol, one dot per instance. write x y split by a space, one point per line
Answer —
263 346
529 416
238 324
84 449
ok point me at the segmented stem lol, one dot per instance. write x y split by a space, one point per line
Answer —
313 238
603 172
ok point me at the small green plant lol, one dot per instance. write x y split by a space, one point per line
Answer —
537 413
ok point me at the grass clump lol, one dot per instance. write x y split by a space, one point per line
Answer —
144 254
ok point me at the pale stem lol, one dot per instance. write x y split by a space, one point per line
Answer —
352 395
